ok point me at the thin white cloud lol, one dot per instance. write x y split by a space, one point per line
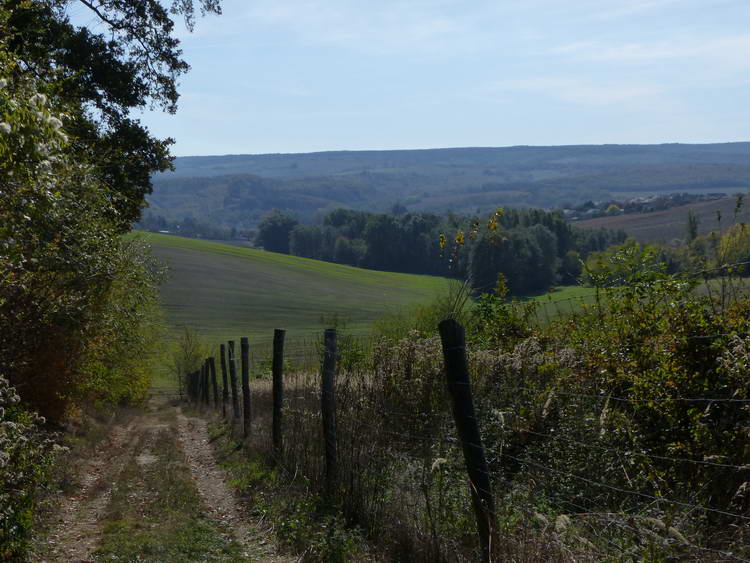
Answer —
610 10
581 91
730 52
421 26
384 27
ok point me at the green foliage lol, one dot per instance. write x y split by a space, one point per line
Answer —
497 323
452 302
323 537
734 246
26 456
571 267
623 367
78 303
274 230
304 524
693 222
596 416
625 264
127 57
187 355
528 246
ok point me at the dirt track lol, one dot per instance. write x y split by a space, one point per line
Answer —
126 461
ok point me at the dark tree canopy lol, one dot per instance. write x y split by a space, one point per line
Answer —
274 231
536 249
126 58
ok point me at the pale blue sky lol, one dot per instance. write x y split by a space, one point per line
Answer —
311 75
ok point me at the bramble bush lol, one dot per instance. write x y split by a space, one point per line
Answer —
622 422
26 456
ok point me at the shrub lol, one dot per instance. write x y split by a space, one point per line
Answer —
26 455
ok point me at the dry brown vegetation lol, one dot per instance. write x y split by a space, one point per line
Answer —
670 224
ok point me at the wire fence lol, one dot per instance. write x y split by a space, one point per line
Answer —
572 475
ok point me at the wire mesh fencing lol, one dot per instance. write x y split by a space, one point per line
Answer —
581 465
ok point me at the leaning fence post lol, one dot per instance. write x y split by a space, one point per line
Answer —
277 368
214 384
459 387
233 379
245 359
328 406
225 386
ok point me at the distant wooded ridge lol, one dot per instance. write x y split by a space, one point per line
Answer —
234 191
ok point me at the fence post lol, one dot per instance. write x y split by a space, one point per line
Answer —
277 368
214 384
245 359
198 389
199 386
233 379
205 382
328 407
225 386
459 387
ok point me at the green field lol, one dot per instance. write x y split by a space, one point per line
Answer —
226 291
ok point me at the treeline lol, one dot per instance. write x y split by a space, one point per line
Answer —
191 227
536 250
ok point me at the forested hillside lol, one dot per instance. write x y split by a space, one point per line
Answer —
234 191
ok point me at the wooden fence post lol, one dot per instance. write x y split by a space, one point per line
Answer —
246 412
457 371
190 385
194 386
199 385
198 389
328 407
225 386
214 384
205 382
196 375
233 380
277 368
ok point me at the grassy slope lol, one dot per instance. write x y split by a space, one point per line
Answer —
227 291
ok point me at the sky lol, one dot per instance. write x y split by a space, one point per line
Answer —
285 76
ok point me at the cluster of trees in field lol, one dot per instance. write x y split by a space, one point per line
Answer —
79 309
538 248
